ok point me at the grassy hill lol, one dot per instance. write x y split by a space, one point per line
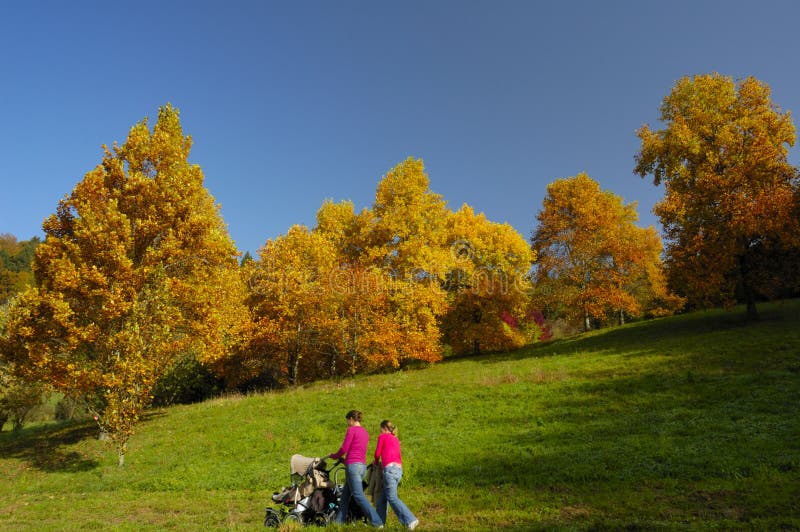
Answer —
681 423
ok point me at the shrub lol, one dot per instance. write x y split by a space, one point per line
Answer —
22 403
187 382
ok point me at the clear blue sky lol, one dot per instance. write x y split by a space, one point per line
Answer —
291 103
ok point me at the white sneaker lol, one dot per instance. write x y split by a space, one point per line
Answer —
413 524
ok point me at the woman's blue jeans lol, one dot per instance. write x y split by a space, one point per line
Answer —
391 478
354 489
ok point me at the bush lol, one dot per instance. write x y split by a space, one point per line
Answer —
187 382
22 404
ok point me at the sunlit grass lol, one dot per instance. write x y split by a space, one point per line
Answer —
686 422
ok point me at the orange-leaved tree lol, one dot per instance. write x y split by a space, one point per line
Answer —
136 271
364 336
290 303
591 256
729 188
489 285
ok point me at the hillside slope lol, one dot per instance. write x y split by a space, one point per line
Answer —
685 422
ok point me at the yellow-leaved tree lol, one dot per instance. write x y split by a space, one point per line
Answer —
489 285
364 336
406 239
729 189
290 303
403 285
137 271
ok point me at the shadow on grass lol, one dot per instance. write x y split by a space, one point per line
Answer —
714 414
645 337
43 447
637 431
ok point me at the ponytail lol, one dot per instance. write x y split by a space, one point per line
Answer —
355 415
388 425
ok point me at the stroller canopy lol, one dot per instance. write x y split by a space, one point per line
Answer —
302 464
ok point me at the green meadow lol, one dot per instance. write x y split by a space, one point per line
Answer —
682 423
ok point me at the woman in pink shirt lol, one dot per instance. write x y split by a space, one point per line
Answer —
354 451
387 455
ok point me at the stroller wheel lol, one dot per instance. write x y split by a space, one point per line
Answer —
322 519
292 518
272 518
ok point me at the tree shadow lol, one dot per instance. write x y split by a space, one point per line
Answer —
711 410
634 339
637 431
44 447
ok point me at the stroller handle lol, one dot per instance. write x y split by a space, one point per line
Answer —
336 464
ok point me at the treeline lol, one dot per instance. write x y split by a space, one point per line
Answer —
139 294
16 258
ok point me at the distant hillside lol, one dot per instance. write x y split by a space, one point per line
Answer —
682 422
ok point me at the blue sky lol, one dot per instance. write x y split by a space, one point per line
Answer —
290 103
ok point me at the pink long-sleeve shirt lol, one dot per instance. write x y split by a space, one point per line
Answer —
388 449
354 446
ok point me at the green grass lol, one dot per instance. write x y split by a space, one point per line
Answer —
688 422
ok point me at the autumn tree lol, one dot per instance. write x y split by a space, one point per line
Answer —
18 397
488 285
406 285
642 271
290 303
365 336
349 232
407 236
359 292
369 290
729 188
407 239
592 258
135 272
392 260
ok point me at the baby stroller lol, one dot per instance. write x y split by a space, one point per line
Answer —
313 498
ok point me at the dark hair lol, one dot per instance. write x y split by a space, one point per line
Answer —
355 415
388 425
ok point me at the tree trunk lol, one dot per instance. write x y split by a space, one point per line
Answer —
752 311
353 359
332 365
621 317
587 323
747 289
354 351
121 455
291 365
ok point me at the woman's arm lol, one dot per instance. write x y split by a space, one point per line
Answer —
348 440
379 449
